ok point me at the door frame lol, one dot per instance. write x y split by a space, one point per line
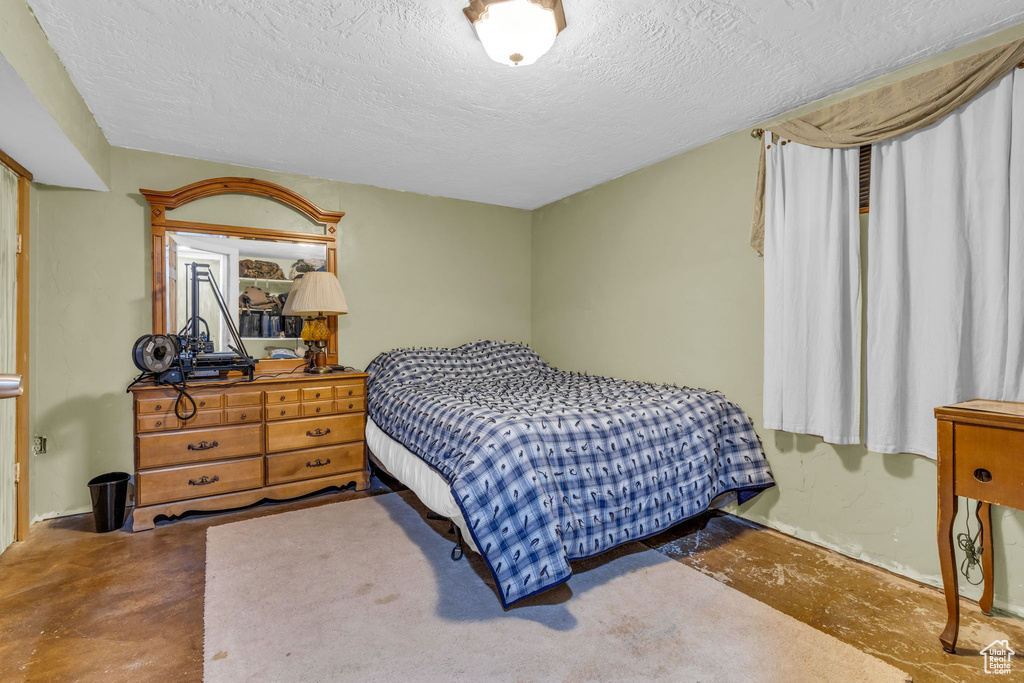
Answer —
22 430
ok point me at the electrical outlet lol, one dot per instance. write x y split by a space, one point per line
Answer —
39 444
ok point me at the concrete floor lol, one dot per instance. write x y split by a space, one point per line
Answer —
76 605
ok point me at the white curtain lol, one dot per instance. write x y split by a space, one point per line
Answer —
8 284
812 291
945 286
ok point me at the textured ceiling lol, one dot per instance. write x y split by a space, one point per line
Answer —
400 94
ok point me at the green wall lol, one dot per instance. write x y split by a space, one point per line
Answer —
416 270
650 277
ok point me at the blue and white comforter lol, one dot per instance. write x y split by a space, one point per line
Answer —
550 466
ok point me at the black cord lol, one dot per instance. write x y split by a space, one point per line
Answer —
181 332
183 394
145 376
972 551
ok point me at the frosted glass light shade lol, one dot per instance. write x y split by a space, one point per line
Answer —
516 32
318 294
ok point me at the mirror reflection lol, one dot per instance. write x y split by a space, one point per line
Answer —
254 276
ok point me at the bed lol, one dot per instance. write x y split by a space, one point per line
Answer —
539 467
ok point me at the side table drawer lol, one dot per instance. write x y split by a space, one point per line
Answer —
314 432
315 462
197 445
197 481
989 464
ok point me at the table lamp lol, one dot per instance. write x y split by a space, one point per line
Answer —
318 295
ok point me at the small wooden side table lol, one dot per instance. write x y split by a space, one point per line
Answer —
981 456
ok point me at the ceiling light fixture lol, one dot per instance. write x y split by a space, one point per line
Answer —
516 32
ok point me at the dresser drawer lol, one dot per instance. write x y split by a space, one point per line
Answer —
197 481
244 398
316 462
147 406
311 408
239 415
165 404
348 390
197 445
348 405
208 402
314 432
989 464
284 411
281 396
317 394
155 423
204 418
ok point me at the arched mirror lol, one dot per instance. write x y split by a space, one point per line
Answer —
254 268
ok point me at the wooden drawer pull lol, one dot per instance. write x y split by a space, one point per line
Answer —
204 480
203 446
319 432
983 475
318 463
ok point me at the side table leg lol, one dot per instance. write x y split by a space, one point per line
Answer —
984 514
948 503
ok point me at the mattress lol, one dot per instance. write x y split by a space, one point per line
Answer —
548 466
429 486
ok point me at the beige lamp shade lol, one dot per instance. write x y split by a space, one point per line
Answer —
288 308
318 293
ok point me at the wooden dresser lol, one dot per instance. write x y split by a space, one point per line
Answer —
981 456
272 438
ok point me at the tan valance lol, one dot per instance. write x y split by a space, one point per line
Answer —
890 111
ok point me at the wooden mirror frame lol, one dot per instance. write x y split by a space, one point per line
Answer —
161 203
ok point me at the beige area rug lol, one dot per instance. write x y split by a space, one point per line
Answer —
365 590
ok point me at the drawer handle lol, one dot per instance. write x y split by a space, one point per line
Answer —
983 475
319 432
204 480
349 392
159 407
318 394
202 404
243 416
318 463
318 409
159 423
203 446
283 412
350 405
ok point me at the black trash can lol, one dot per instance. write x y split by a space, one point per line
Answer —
109 493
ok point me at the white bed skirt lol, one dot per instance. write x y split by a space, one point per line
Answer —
429 486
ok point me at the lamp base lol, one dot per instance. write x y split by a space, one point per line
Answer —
318 360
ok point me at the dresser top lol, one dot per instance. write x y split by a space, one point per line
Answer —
298 375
